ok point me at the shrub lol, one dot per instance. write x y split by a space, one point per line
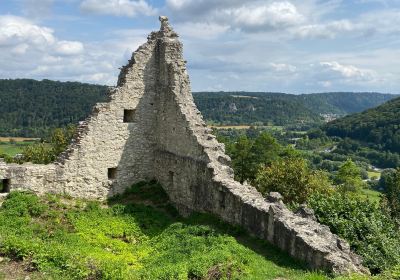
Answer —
24 204
293 179
370 232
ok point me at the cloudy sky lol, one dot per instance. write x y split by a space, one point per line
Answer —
288 46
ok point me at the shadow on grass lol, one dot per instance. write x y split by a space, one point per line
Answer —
148 203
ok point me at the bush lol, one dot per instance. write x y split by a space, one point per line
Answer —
293 179
24 204
370 232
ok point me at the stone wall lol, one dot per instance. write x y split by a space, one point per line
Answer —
151 129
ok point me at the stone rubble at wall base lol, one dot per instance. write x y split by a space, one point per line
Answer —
151 129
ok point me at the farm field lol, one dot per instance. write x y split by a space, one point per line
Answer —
374 174
12 149
270 127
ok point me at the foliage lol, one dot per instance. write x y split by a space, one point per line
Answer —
33 108
390 182
242 158
281 109
370 232
69 239
45 153
292 178
248 155
349 177
378 126
38 153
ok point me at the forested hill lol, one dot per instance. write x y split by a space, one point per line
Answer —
343 103
31 108
379 126
251 107
280 108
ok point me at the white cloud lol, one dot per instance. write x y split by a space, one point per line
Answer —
348 71
204 31
31 50
264 16
69 48
16 30
254 15
329 30
21 35
282 67
127 8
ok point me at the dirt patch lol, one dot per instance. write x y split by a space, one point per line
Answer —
12 270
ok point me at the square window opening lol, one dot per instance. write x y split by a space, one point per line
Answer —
112 173
129 116
4 185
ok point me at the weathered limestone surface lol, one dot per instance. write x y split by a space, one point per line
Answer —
164 137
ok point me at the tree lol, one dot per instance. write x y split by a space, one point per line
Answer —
242 159
348 177
391 182
265 149
249 155
293 179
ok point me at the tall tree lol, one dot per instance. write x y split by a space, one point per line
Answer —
349 177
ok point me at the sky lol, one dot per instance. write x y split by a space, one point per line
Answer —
288 46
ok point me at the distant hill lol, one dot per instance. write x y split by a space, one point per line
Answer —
253 107
343 103
31 108
379 126
280 108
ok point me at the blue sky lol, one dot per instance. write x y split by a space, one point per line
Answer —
288 46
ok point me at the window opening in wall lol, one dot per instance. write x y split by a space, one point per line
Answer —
112 173
4 185
171 178
129 116
222 199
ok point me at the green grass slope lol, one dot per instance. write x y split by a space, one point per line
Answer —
135 236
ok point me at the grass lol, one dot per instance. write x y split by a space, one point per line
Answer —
270 127
13 148
230 126
372 195
138 235
135 236
374 175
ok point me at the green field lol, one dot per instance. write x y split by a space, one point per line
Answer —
137 237
371 194
11 149
374 174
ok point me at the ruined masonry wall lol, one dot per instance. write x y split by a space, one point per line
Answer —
168 140
104 141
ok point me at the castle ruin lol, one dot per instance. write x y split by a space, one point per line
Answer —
151 129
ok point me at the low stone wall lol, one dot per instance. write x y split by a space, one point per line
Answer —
151 129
